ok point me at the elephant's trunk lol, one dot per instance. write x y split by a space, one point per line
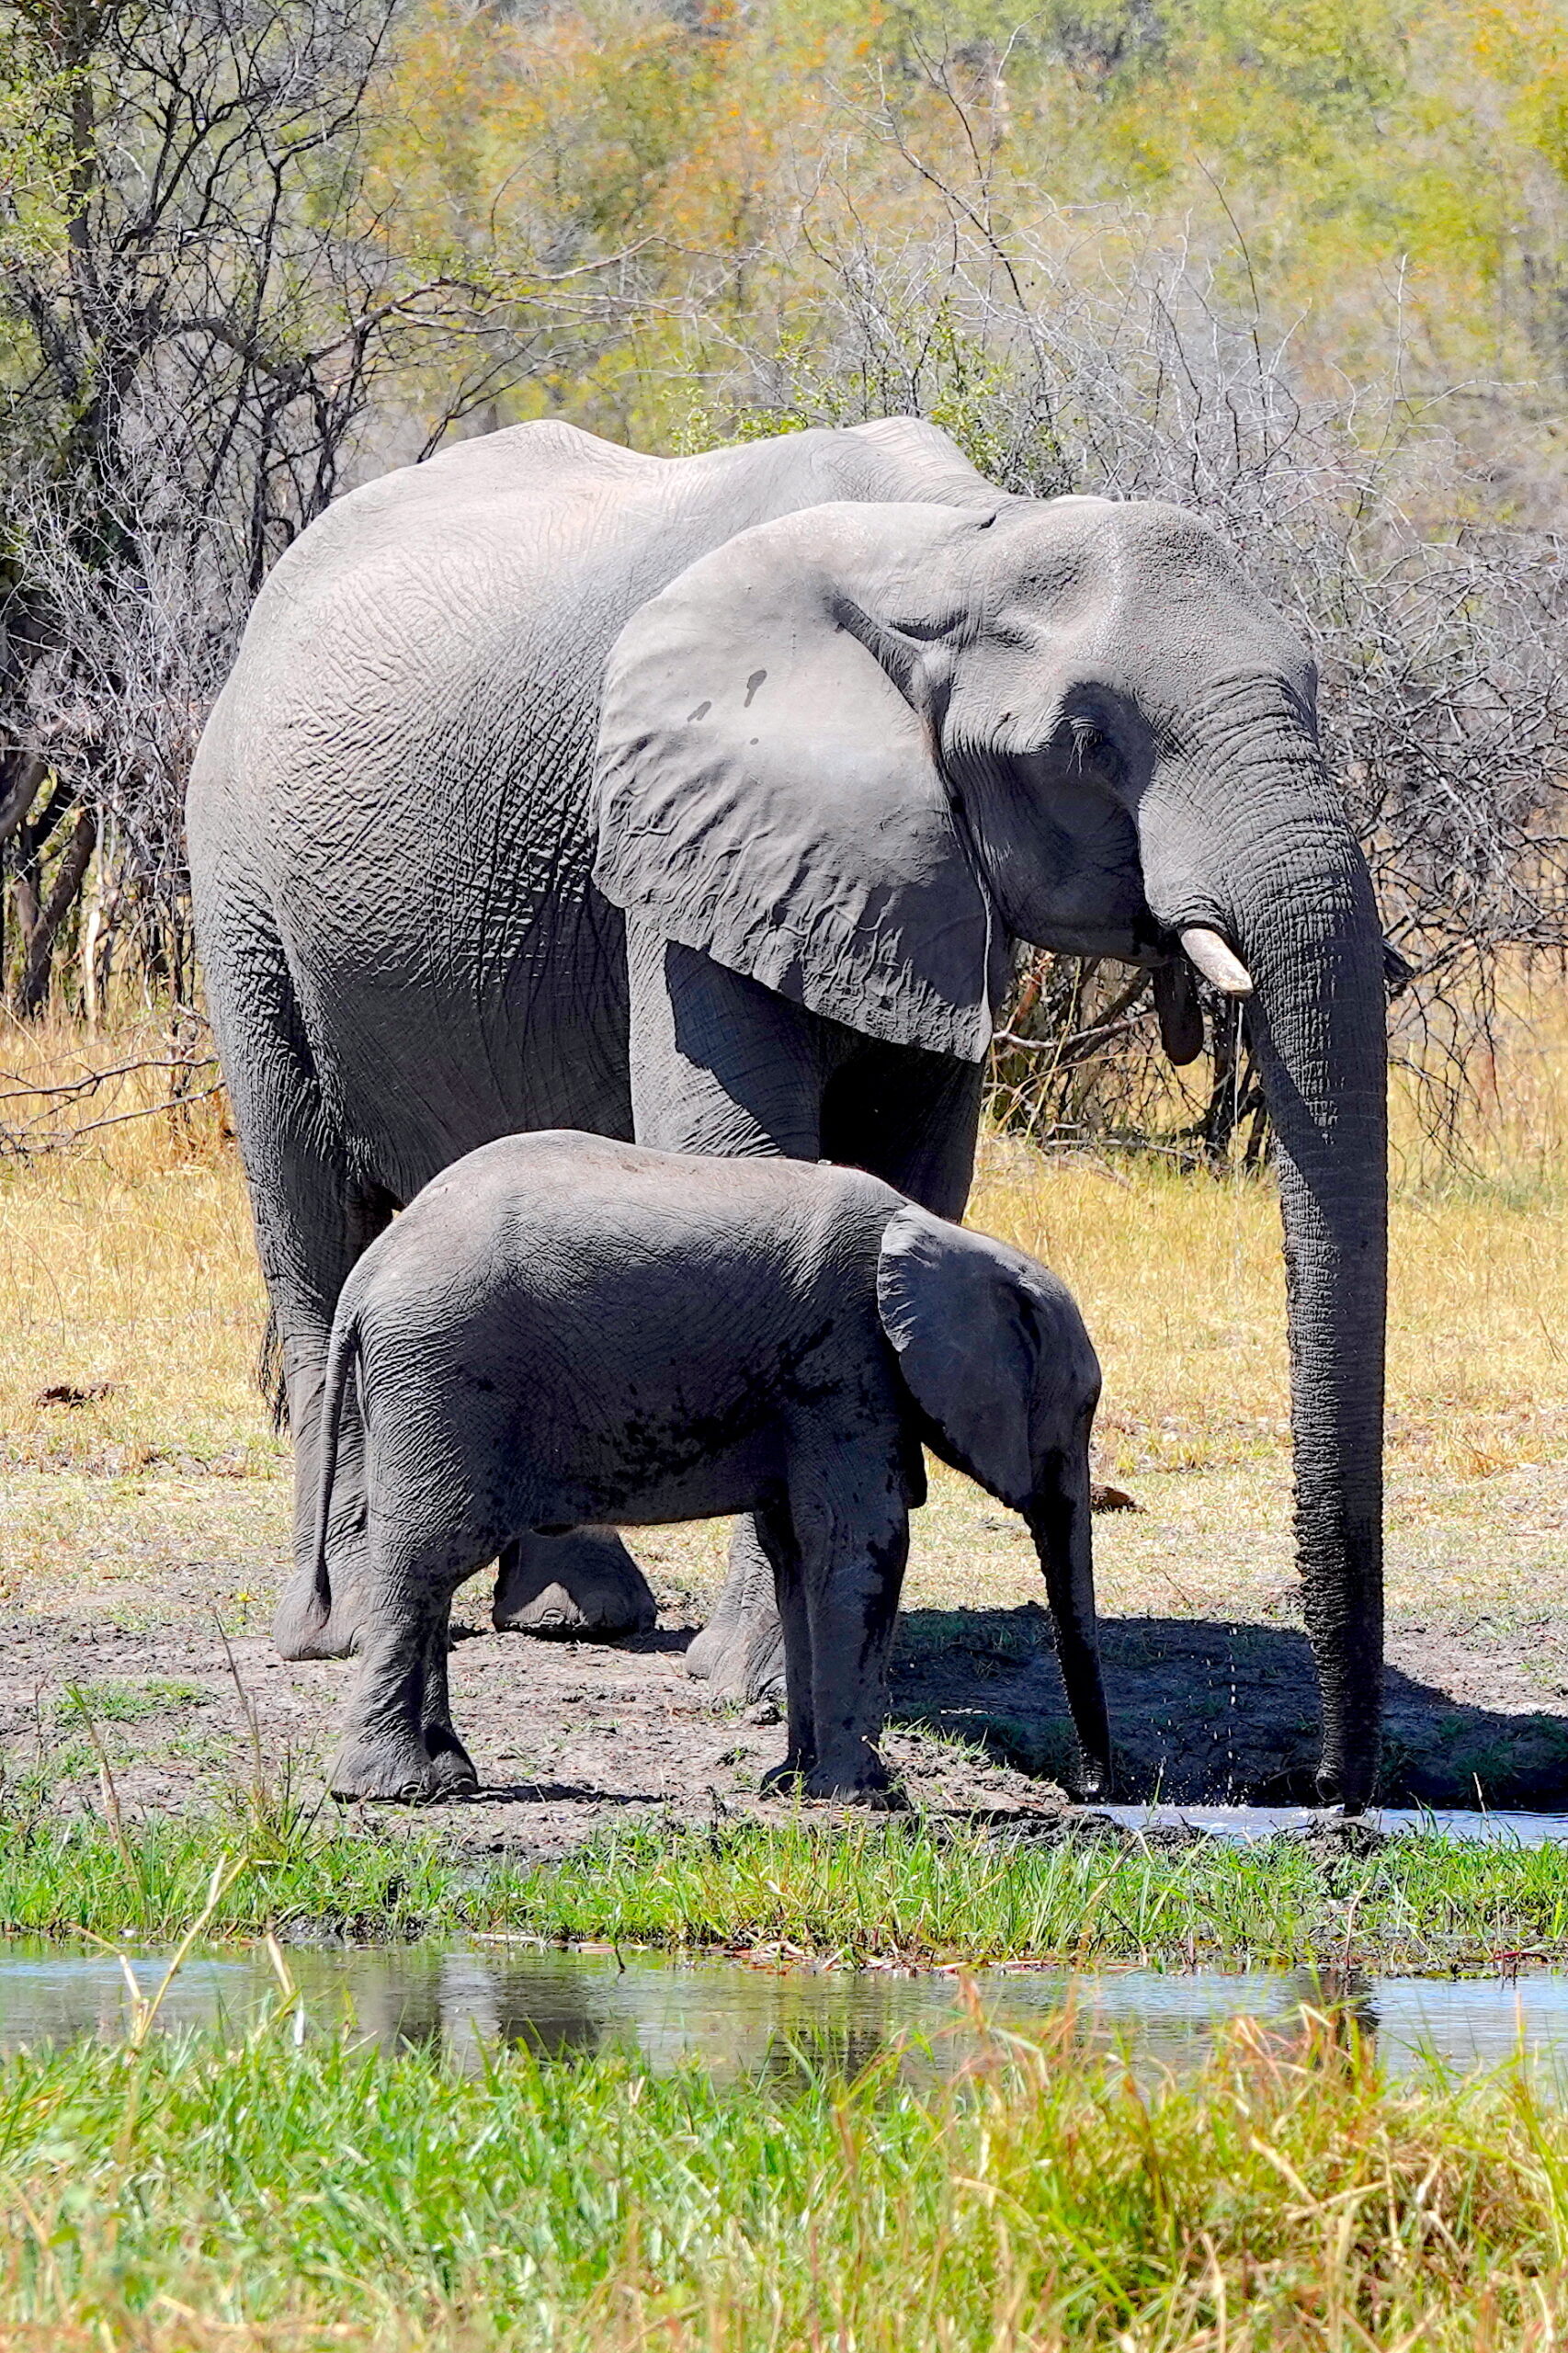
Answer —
1241 831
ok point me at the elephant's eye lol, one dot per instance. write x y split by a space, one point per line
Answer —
1088 740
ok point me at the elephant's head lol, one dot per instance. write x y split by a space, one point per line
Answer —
858 751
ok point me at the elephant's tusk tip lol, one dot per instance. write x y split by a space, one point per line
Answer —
1216 961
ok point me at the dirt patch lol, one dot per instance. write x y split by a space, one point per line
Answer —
120 1562
1208 1712
569 1737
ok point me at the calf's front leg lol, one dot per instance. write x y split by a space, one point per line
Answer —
839 1577
773 1531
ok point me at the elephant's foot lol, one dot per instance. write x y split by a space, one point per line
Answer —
403 1771
449 1762
303 1628
702 1650
584 1587
391 1772
740 1652
866 1783
453 1773
742 1657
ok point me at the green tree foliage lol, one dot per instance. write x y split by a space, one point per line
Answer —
1363 171
1299 262
1291 263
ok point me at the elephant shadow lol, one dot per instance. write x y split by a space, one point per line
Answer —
1203 1712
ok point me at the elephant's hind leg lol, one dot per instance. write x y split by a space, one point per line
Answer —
301 1626
399 1742
313 1216
580 1587
740 1652
450 1763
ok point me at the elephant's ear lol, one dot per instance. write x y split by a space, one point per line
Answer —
959 1311
767 794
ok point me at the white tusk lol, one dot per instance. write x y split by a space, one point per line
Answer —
1216 962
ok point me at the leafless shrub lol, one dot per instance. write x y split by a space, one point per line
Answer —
37 1118
205 325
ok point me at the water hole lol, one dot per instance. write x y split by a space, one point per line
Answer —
738 2020
1473 1827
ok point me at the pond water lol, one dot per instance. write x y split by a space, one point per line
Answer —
1472 1827
738 2020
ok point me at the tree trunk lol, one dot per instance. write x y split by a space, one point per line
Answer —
93 951
37 955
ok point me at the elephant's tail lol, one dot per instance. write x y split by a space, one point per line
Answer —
343 1350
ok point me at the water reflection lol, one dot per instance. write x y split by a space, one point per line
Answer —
735 2020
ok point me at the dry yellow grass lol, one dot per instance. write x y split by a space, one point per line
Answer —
1181 1283
1180 1279
127 1260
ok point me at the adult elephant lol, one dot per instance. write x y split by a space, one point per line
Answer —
861 723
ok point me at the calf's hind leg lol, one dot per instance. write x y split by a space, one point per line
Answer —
399 1742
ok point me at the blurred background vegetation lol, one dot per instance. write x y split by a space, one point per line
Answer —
1300 264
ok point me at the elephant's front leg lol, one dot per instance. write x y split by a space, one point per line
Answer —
852 1545
721 1065
772 1532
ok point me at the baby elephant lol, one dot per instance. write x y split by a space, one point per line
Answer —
561 1331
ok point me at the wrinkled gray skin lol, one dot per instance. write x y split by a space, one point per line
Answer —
867 723
563 1330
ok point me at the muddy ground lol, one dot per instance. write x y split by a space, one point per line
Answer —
1210 1684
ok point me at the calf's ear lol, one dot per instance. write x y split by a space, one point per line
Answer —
958 1310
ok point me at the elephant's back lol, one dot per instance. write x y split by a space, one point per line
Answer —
408 736
399 762
533 545
616 1252
434 573
398 772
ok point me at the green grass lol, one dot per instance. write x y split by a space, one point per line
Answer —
127 1703
145 1883
856 1892
179 2196
173 2196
